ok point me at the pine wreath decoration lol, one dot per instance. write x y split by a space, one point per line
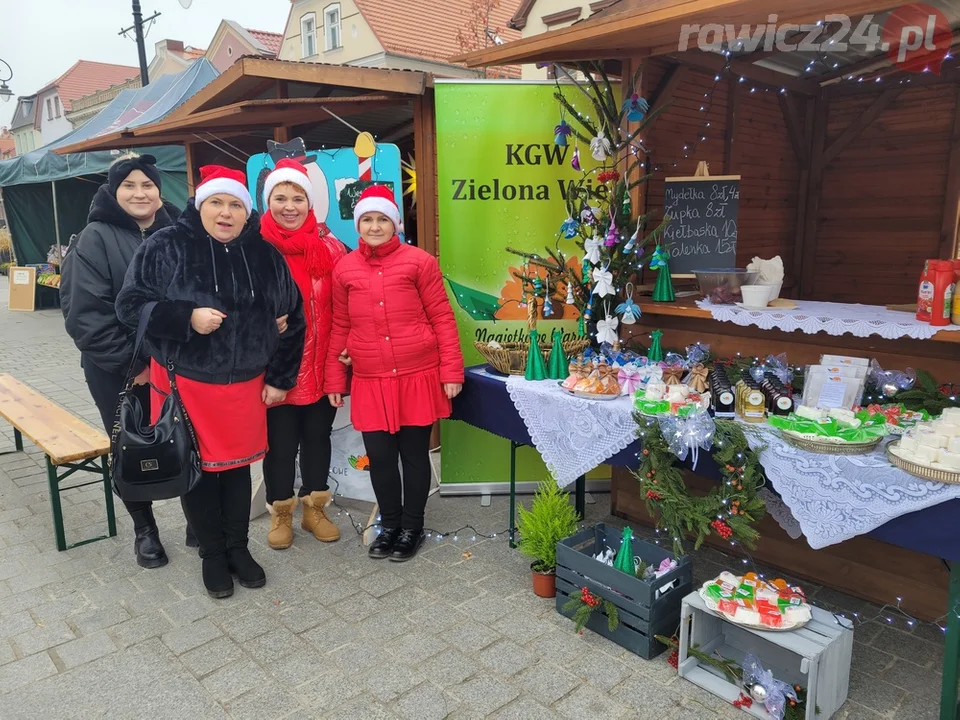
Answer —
730 510
582 603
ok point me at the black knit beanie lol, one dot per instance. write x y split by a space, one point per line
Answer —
119 171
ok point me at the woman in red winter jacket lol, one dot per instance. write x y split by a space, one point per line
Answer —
392 316
304 421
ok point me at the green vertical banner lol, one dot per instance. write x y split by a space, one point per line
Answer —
502 182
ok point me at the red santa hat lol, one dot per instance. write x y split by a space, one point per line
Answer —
378 198
288 171
216 180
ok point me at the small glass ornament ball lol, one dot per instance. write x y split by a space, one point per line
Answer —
890 389
759 693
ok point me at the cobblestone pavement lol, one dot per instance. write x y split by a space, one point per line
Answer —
87 633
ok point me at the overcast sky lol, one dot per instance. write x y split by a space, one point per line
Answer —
41 39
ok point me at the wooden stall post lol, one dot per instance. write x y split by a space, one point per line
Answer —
425 150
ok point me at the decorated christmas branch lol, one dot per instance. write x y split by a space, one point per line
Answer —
582 603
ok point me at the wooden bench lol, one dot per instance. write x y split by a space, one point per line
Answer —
68 442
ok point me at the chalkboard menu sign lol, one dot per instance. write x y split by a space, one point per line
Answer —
703 222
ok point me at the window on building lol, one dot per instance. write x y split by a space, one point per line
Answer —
331 26
56 106
49 109
308 34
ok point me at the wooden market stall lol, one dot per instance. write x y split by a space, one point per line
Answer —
850 171
259 99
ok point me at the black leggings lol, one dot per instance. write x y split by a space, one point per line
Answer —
105 388
402 502
218 510
293 427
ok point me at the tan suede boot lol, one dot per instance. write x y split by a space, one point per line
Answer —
280 536
315 518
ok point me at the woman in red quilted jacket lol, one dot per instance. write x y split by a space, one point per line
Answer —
304 421
392 316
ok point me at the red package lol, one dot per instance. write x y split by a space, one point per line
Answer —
771 620
728 607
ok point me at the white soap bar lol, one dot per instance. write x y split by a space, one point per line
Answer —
949 460
797 614
747 616
908 444
811 413
933 440
951 414
953 444
925 453
946 428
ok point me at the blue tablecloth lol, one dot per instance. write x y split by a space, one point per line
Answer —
485 404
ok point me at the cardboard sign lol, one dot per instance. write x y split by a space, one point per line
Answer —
23 284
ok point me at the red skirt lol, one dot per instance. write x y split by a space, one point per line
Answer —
230 420
389 403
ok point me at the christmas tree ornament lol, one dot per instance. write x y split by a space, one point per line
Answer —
558 369
603 282
627 202
659 258
663 288
537 285
632 242
591 249
588 310
575 162
570 300
628 309
569 228
635 107
600 147
581 328
547 302
561 132
607 330
763 687
536 368
624 560
655 354
613 235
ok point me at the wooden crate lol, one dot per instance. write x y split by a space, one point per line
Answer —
817 656
642 614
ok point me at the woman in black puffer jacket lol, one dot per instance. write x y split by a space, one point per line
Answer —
125 211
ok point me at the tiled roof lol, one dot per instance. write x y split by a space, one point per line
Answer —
8 147
401 26
192 53
270 40
86 77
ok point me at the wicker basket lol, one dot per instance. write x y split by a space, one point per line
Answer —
827 447
511 358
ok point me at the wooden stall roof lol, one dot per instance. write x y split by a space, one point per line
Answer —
652 27
257 93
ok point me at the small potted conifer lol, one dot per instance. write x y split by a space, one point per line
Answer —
550 519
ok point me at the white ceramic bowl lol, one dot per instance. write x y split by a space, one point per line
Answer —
756 296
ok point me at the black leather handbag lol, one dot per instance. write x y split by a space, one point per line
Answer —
152 462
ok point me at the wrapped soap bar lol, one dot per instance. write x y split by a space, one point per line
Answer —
774 620
951 415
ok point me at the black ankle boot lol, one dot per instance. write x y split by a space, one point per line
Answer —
383 545
149 549
407 545
248 571
216 576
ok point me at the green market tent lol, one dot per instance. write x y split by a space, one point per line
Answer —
47 196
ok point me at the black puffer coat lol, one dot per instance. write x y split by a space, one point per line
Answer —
91 278
182 268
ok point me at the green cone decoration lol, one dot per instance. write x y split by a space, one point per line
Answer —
581 327
559 366
656 352
624 559
536 368
663 289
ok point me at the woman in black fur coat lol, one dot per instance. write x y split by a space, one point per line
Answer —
219 289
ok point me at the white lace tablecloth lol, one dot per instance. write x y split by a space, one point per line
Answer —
837 497
572 435
832 318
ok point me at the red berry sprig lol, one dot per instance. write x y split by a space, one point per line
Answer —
654 495
722 529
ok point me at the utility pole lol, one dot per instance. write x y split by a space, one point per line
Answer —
138 35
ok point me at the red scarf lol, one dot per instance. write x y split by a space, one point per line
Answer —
305 252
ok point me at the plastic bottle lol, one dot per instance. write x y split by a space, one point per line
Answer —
944 283
955 314
925 292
